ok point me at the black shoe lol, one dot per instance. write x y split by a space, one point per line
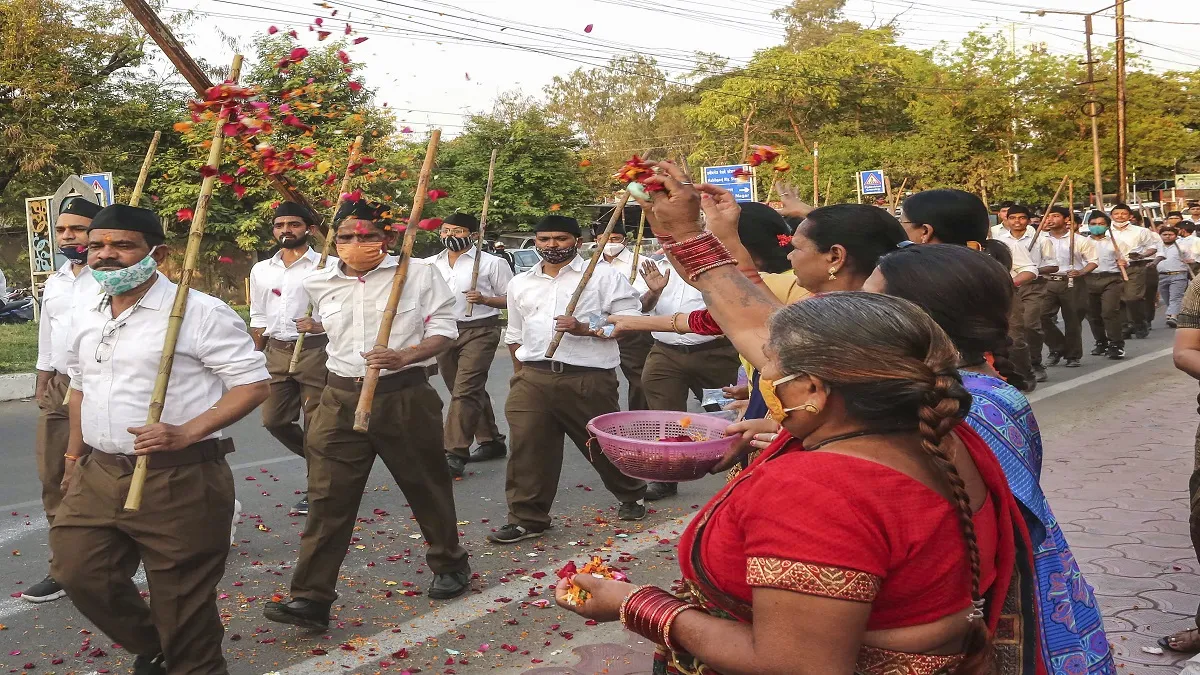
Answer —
1100 349
1127 332
456 464
510 534
632 510
1116 351
1072 363
301 507
446 586
657 491
299 612
44 591
149 665
494 449
1053 358
1142 332
1039 374
1171 322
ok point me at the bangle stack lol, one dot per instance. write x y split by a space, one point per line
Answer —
700 254
649 611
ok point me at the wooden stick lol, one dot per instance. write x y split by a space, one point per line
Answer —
774 183
816 184
141 179
133 501
362 414
899 195
1053 200
487 199
330 234
1071 230
828 189
637 246
618 211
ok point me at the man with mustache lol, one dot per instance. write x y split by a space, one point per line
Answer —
277 300
181 532
53 427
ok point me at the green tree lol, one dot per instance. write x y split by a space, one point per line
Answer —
812 23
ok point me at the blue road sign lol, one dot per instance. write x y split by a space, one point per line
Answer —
742 186
872 182
103 184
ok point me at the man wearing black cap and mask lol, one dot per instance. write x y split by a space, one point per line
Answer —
276 300
635 347
464 366
54 328
550 399
348 300
181 532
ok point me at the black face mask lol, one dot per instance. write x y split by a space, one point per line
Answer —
456 244
297 242
554 256
76 254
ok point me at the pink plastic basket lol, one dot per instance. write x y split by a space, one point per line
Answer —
630 441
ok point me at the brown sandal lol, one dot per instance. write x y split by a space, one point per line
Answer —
1185 641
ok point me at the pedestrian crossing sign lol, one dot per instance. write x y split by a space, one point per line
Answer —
872 182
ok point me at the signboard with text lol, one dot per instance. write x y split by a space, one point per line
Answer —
742 185
872 182
102 183
1187 181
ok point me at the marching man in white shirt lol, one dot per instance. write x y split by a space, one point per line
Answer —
1105 288
634 346
1173 271
1139 246
1025 321
276 300
1064 291
181 532
54 331
464 366
550 399
349 299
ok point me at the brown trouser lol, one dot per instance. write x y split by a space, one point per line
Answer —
293 392
635 347
181 535
542 407
1104 306
464 368
1151 294
406 433
1025 327
671 372
1072 302
1133 295
53 428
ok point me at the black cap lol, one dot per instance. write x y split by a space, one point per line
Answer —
362 209
462 220
294 209
131 218
625 224
78 206
556 223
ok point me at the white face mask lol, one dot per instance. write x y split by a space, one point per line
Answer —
613 249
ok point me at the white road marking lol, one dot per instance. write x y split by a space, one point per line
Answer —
470 608
1056 389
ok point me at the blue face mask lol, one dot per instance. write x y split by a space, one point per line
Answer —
117 282
1098 230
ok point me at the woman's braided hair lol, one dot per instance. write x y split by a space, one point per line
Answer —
893 367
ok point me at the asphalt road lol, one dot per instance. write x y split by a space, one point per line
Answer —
505 625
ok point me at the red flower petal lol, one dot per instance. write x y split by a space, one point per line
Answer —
406 130
319 652
319 21
298 54
272 30
226 260
343 56
435 195
184 215
354 86
226 179
230 129
784 240
293 33
208 171
587 28
239 190
322 34
359 40
430 224
348 29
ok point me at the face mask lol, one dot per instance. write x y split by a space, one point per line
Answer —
1098 230
775 409
117 282
76 254
612 250
456 244
361 256
555 256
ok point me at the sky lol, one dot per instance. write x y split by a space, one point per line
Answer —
435 62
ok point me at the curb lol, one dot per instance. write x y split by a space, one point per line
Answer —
17 386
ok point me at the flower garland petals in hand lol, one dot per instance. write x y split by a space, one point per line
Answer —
595 592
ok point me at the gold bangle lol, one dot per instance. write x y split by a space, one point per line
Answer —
666 634
675 323
72 457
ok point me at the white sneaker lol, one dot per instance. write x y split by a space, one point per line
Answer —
237 508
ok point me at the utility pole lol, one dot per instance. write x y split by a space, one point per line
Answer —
1092 108
1122 141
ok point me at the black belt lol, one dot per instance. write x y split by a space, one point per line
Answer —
560 367
1167 274
1057 277
205 451
692 349
311 341
409 377
486 322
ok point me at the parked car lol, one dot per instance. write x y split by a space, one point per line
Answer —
524 259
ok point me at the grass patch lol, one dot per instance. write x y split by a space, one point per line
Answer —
18 347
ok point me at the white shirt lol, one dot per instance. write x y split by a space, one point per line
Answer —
678 296
1101 252
623 263
351 310
276 294
114 362
3 285
1133 238
494 275
997 230
1061 249
1173 255
54 326
1026 260
535 298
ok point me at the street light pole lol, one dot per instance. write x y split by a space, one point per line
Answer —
1092 109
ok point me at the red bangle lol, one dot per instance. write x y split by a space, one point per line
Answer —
700 254
650 611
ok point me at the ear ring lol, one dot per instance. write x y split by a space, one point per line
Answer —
832 273
810 408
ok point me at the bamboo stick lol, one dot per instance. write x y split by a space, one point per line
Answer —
133 501
816 184
1071 230
618 211
637 246
141 179
828 189
487 199
1121 262
355 149
899 195
1053 200
362 414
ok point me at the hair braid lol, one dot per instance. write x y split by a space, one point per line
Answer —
941 411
